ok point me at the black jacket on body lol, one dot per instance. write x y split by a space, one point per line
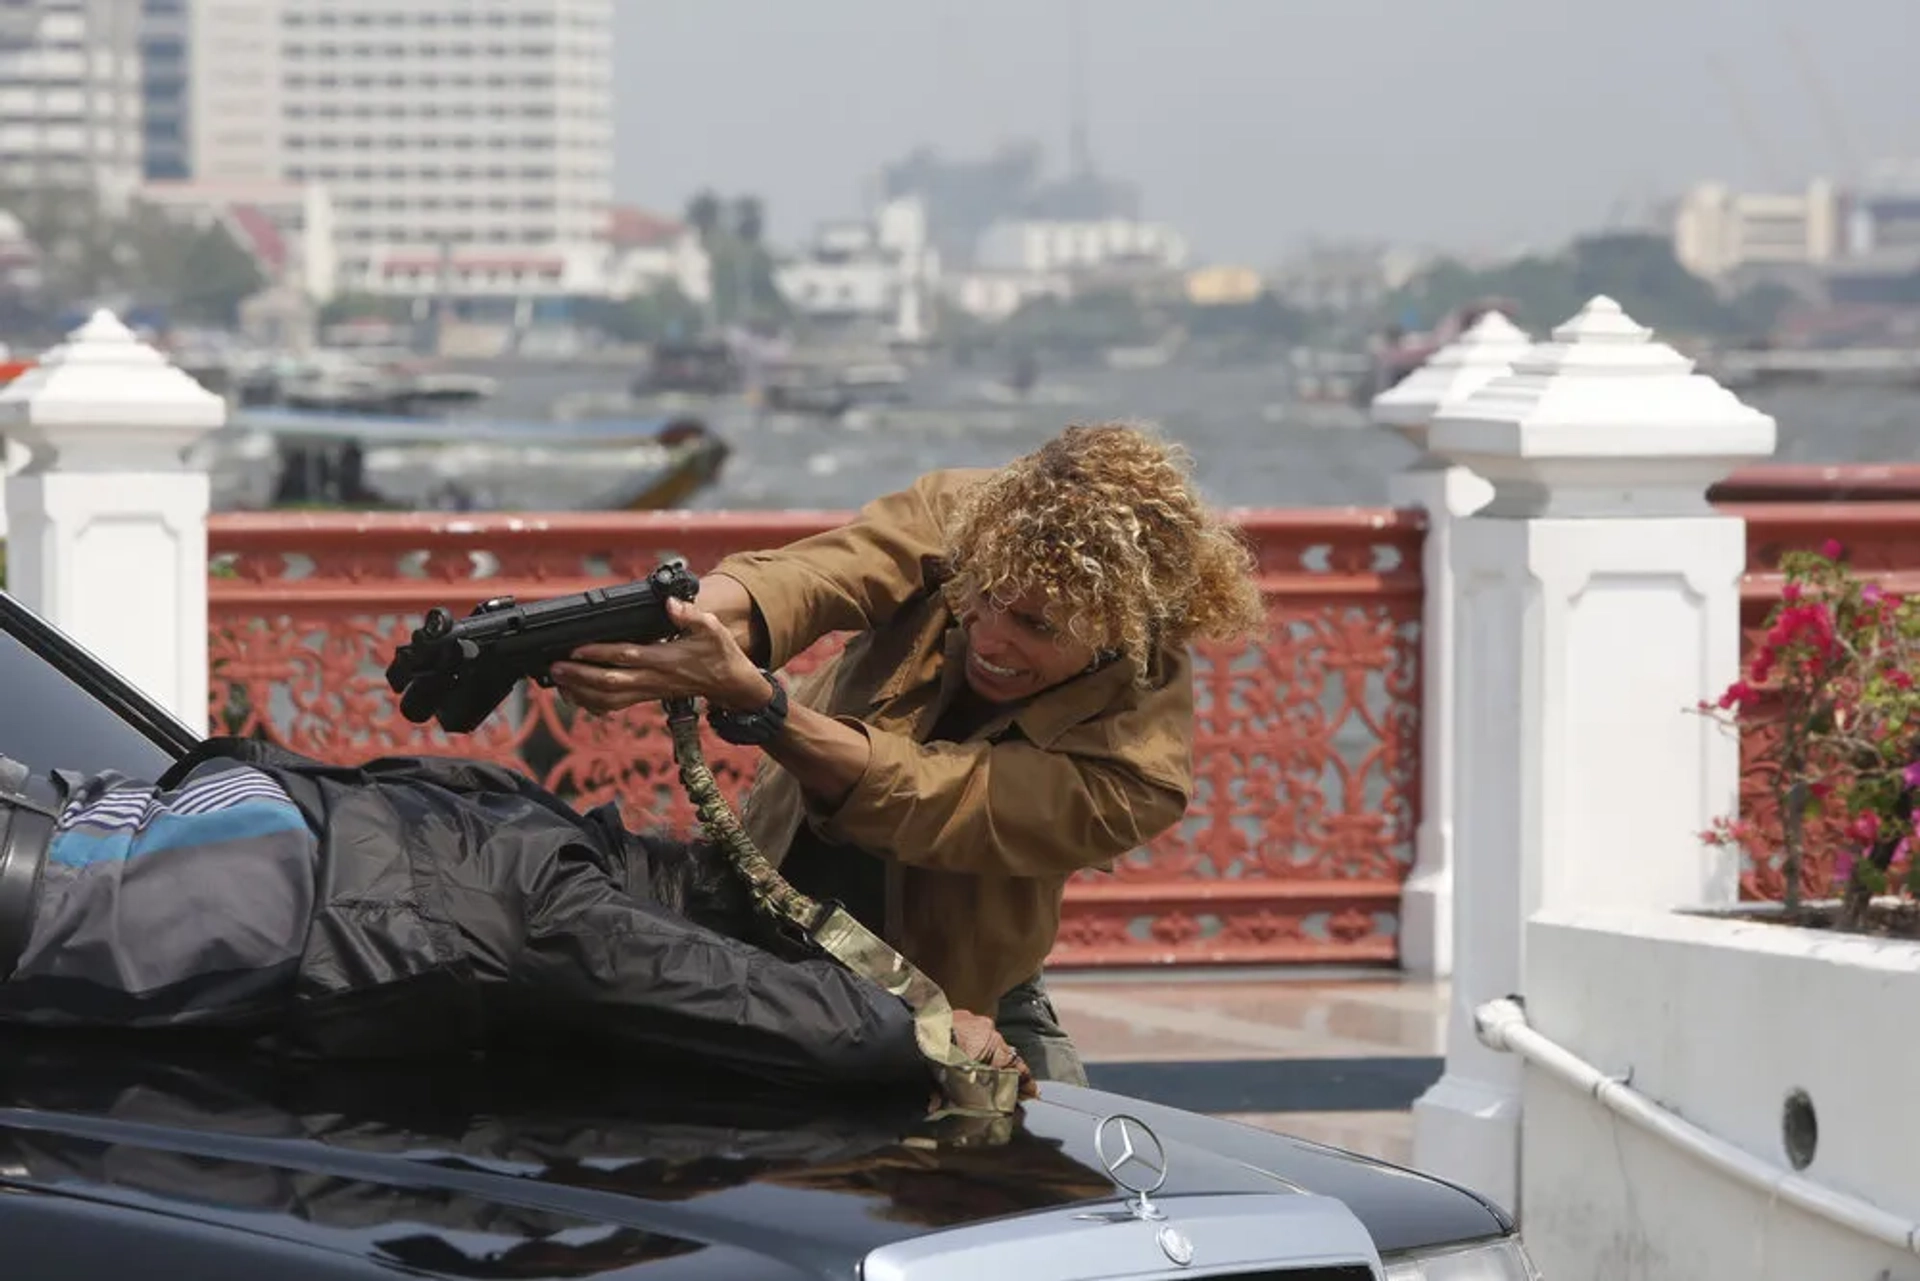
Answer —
460 907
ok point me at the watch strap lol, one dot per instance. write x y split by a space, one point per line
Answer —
756 726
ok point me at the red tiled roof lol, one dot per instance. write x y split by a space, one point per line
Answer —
631 227
259 236
468 262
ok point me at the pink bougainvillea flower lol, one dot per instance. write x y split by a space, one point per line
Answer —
1810 623
1834 669
1843 865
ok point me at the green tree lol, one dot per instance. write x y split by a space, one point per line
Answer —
749 220
1637 270
661 315
1088 322
1757 309
1267 316
194 269
362 306
83 254
703 215
733 232
215 276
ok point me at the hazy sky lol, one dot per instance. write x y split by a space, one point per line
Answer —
1255 124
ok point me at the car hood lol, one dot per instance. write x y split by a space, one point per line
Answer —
551 1169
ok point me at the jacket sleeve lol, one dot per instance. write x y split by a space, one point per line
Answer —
1011 807
854 577
633 973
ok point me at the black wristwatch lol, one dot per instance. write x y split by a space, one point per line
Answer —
755 728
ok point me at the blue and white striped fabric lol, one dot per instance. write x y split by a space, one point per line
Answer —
187 899
113 819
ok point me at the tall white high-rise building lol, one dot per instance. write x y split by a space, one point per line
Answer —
212 74
466 145
70 96
461 147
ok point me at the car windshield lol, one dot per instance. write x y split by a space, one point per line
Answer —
53 714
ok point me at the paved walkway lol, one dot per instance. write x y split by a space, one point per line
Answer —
1332 1056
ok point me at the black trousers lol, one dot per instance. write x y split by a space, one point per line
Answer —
1032 1027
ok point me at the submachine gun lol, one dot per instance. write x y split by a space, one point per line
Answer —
458 672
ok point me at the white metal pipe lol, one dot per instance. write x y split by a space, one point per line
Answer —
1503 1025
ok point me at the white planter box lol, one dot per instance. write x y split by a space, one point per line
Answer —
1720 1021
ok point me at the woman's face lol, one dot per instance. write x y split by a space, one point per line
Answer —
1014 653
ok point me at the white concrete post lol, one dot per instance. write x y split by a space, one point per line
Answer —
1598 595
1446 493
13 457
109 524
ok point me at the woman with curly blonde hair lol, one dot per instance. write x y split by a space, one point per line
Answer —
1103 526
1015 705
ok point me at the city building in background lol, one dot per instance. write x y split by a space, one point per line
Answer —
993 296
288 228
70 102
1851 252
878 274
965 198
1020 260
455 156
1049 245
452 153
166 36
1223 286
467 144
1740 237
647 251
1881 266
212 76
1344 278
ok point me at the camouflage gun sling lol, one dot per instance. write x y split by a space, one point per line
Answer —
969 1086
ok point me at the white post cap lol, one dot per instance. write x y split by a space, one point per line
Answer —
1601 421
105 401
1486 350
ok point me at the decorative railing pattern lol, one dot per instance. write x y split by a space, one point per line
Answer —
1306 754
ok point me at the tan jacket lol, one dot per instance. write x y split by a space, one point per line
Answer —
979 836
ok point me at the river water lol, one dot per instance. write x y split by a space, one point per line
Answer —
1253 445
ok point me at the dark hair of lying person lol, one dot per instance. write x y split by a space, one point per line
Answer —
695 880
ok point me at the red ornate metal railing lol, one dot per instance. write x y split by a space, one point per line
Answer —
1882 541
1306 753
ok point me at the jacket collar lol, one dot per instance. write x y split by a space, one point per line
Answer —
1047 715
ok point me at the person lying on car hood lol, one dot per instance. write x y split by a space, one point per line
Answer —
414 906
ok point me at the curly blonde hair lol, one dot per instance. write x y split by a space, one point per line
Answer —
1104 523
